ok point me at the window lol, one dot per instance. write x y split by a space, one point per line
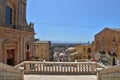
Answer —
89 50
102 38
113 39
28 47
8 15
84 49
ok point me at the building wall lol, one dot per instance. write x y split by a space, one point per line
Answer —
17 38
83 50
18 14
42 50
107 40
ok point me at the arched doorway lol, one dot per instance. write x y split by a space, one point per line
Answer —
11 57
113 61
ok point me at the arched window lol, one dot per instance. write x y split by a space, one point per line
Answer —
27 46
8 16
113 39
89 50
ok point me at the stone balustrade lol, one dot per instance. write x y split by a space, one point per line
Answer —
10 73
60 67
110 73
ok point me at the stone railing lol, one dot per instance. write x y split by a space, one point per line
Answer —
86 68
10 73
110 73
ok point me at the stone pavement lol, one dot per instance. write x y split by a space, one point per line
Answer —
60 77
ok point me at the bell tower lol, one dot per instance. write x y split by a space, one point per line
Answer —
21 13
13 14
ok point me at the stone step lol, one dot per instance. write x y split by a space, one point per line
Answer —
60 77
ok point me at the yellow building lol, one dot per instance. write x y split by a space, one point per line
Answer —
71 49
42 49
16 36
107 41
84 51
72 53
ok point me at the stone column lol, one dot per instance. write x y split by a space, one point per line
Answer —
22 73
27 66
98 75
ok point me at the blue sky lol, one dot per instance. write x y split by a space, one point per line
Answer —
72 20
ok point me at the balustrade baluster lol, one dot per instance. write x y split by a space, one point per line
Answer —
71 68
74 67
43 67
68 67
49 67
65 68
52 67
77 68
84 66
59 67
55 67
88 67
46 67
62 67
37 67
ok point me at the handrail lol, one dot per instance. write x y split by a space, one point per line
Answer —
10 73
60 67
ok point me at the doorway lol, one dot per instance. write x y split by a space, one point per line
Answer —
27 55
114 61
11 57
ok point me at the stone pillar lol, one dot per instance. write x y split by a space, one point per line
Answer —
27 66
22 73
98 74
118 60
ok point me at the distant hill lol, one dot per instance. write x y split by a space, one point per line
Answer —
70 44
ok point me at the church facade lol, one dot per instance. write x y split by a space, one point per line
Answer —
16 36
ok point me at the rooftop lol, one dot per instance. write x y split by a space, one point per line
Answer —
115 29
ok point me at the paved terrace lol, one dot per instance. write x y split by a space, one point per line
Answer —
60 77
